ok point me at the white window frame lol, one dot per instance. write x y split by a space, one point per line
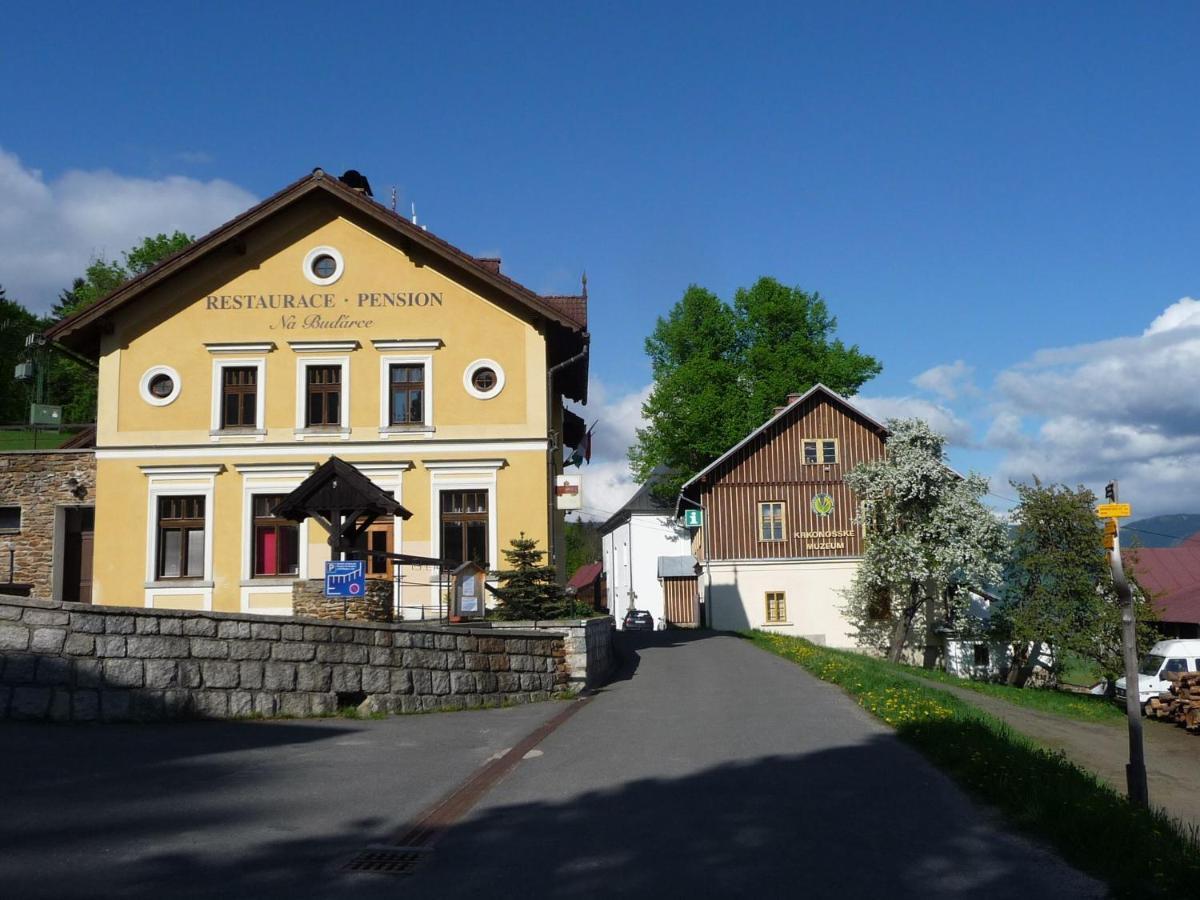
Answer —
469 373
269 478
179 481
259 431
144 385
389 476
463 475
386 428
303 364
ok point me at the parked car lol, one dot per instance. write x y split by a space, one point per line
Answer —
1164 657
638 620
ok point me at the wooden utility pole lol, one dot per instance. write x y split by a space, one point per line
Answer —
1135 769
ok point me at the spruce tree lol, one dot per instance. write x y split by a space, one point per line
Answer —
528 589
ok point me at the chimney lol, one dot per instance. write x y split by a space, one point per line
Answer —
792 398
778 410
491 263
355 180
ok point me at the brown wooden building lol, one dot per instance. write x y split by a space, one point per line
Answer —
781 536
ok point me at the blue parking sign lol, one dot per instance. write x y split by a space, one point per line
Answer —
345 578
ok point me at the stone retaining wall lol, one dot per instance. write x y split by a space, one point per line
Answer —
588 643
75 662
308 599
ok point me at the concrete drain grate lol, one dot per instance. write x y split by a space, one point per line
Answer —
386 860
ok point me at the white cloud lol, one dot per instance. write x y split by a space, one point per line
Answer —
1127 408
948 381
940 418
607 481
51 230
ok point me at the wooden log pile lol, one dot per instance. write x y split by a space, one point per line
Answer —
1182 704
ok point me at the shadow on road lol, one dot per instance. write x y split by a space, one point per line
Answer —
864 819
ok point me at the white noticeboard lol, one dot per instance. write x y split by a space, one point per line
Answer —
568 491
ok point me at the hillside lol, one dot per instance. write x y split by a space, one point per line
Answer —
1161 531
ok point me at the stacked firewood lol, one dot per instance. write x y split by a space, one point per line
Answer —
1182 704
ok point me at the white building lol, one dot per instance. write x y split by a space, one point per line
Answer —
634 539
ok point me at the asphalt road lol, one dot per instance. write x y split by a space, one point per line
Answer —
224 809
709 768
715 769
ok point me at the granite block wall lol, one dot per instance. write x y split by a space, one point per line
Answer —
75 662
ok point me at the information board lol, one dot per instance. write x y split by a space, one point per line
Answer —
345 578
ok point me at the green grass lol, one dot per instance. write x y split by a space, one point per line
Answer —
22 439
1083 707
1139 853
1079 671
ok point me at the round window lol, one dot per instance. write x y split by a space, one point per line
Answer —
324 266
161 385
484 379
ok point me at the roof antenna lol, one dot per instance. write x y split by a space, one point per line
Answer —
584 280
393 198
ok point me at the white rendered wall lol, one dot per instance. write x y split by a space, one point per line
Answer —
631 553
813 594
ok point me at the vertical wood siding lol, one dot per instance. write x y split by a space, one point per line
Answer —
771 468
680 596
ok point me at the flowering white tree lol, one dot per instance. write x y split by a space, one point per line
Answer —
930 539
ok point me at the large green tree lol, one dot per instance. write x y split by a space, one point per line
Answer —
719 370
1058 589
930 541
67 382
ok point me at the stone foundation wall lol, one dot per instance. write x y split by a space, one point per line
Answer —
588 644
74 662
308 599
38 481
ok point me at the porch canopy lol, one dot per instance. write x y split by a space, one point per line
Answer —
342 500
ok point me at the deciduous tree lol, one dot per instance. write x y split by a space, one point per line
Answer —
68 383
1058 588
930 540
720 370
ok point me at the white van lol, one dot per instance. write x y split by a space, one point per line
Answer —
1164 657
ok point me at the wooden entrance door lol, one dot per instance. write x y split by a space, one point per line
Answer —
682 601
379 537
78 534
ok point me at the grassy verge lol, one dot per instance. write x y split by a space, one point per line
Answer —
1083 707
1137 852
23 439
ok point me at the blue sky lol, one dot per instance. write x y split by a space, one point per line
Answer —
961 181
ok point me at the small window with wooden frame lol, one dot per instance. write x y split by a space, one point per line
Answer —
239 396
406 390
771 525
180 551
820 451
323 396
276 549
776 606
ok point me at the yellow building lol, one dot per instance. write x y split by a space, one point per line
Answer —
321 323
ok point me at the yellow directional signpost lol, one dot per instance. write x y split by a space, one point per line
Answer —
1135 771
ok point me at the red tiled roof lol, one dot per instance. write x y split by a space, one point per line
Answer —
585 575
573 306
1172 576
